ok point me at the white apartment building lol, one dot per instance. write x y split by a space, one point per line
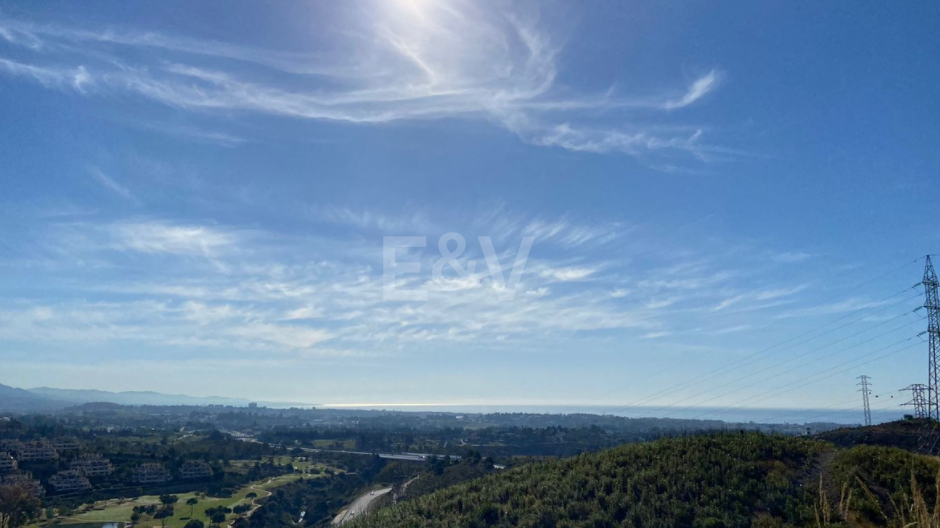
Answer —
69 480
34 451
151 473
7 462
10 446
92 466
66 444
195 469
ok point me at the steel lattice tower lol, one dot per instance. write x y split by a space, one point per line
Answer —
918 400
865 392
932 304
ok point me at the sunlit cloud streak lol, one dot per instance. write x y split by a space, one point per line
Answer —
399 61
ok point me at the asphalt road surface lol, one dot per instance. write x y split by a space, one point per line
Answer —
359 506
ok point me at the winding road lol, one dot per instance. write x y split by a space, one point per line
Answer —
359 506
254 502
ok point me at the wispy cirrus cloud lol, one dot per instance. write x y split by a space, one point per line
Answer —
194 133
568 274
399 61
172 323
566 232
211 288
371 220
790 257
111 184
700 88
755 296
143 236
48 76
158 237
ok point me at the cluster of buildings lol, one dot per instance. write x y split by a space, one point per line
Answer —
35 451
7 462
10 475
15 452
157 473
69 480
195 469
152 473
92 466
82 468
38 450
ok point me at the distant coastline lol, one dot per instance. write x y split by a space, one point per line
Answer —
758 415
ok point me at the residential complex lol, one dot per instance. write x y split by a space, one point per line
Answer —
36 451
7 462
9 446
69 480
66 444
92 466
151 473
195 469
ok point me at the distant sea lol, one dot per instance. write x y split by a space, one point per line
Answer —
757 415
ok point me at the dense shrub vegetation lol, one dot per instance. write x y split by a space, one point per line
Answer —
879 486
443 472
730 480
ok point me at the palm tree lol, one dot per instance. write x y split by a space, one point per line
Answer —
192 502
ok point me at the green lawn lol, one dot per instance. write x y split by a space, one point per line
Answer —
122 512
243 466
114 512
349 444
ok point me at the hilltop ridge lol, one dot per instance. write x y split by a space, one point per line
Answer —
904 434
715 480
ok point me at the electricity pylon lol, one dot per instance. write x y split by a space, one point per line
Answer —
865 392
918 399
932 304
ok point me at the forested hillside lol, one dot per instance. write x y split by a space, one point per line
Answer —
907 434
715 480
727 480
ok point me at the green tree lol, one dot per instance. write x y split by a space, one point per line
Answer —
192 502
169 500
195 523
18 505
218 518
163 515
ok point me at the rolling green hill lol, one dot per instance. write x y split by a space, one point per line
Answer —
906 434
726 480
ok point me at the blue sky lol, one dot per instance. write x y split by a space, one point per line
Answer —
195 197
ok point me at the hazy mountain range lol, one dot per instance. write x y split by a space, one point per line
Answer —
13 399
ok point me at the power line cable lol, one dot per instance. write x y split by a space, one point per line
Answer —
831 409
893 330
745 360
731 408
842 293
